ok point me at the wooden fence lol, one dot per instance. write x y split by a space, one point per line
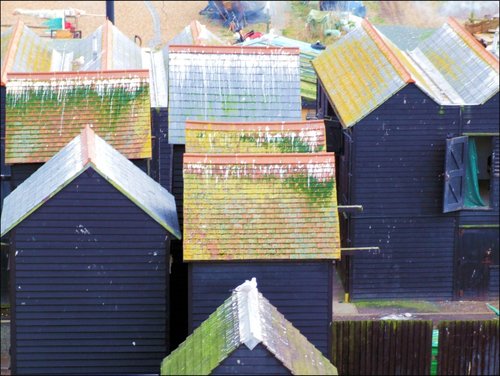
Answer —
382 347
468 348
405 347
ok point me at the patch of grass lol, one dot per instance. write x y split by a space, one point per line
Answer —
415 305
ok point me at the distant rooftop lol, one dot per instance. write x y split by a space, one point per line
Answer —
231 83
255 137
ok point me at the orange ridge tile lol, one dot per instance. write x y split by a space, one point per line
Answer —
249 50
259 158
243 126
400 68
142 73
472 42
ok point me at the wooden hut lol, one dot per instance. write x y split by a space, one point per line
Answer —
420 153
272 216
89 255
246 335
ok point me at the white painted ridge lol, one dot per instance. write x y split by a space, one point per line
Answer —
249 313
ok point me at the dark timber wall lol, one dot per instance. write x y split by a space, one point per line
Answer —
394 166
397 175
258 361
301 291
91 285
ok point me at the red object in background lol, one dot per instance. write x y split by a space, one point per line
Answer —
68 26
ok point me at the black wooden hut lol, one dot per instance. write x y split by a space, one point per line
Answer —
90 236
419 150
246 335
269 216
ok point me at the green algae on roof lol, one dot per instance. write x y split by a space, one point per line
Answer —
246 318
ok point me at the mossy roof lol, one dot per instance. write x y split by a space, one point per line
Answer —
45 111
364 69
260 207
255 137
246 317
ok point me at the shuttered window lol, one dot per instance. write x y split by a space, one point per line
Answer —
455 173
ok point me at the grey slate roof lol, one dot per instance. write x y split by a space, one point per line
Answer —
245 318
452 59
229 83
88 150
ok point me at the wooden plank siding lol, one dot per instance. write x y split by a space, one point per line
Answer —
21 172
244 361
159 117
301 291
178 181
468 348
382 347
396 171
91 285
415 259
482 118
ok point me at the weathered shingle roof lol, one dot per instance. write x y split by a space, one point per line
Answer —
245 318
359 72
255 137
364 69
107 48
260 207
307 53
229 83
45 111
88 150
458 64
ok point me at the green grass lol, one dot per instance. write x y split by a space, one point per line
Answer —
416 305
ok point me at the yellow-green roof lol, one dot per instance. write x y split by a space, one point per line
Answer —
359 72
255 137
260 207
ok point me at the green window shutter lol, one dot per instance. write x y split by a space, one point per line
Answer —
455 173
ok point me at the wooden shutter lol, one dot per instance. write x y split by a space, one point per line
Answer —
454 174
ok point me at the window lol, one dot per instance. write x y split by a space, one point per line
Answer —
468 172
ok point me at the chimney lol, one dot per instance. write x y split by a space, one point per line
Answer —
110 11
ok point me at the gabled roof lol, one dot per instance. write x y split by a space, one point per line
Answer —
45 111
196 34
364 69
85 151
107 48
229 83
260 207
359 72
458 64
255 137
245 318
307 53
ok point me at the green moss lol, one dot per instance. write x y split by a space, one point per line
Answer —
284 144
415 305
314 189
